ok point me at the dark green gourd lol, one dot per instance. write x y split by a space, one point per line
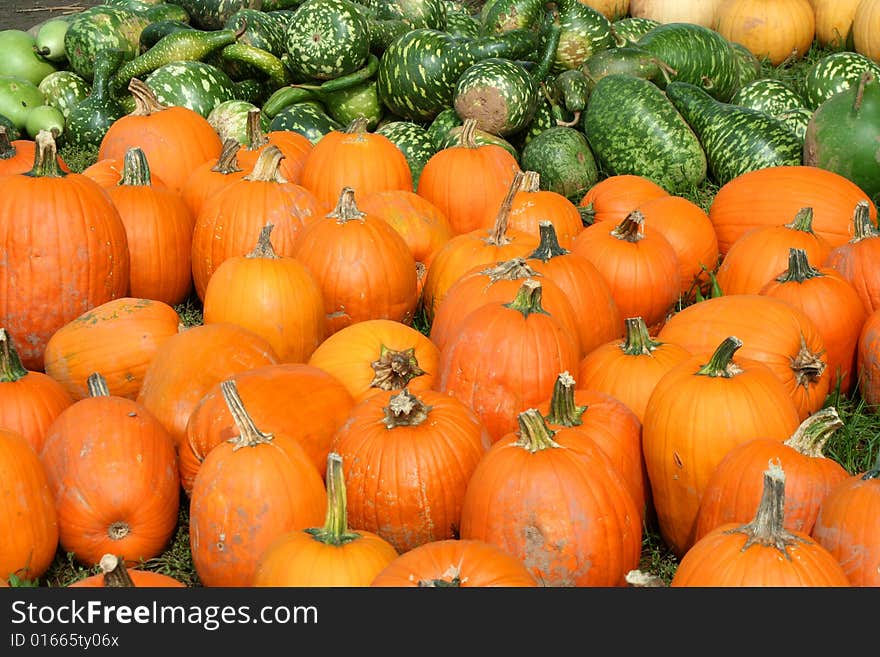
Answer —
88 120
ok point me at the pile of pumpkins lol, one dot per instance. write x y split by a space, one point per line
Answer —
585 368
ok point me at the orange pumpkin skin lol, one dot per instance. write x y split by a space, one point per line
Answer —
28 517
190 362
614 197
781 30
761 197
867 361
295 146
505 359
455 562
847 526
118 338
564 512
323 404
140 578
734 489
29 401
64 249
375 355
17 156
692 420
856 259
772 331
112 469
407 459
212 175
531 205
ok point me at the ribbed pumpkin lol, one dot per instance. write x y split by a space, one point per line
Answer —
700 12
294 145
174 138
639 265
17 155
364 161
630 367
118 338
364 268
29 400
733 491
407 459
762 196
563 512
64 251
614 197
274 296
847 526
190 362
376 355
779 30
865 20
227 223
468 181
333 554
833 305
868 360
761 553
772 331
455 563
114 574
857 258
834 22
108 172
531 204
698 411
761 254
28 517
250 490
212 175
505 358
112 469
322 405
159 229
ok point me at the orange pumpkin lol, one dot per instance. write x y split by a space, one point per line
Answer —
17 155
857 258
531 205
211 176
614 197
114 574
778 30
294 145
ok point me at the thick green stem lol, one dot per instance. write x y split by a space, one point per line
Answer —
799 268
863 227
528 298
564 411
248 434
534 434
335 530
267 165
638 341
548 247
46 157
812 434
498 234
802 221
97 385
632 228
393 370
135 169
721 363
11 369
264 249
345 209
405 410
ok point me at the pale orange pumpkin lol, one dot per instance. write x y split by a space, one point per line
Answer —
779 30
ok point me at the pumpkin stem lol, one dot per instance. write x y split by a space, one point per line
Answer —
393 370
145 100
548 247
11 369
7 148
357 125
531 182
528 298
135 169
46 157
249 435
863 227
721 363
264 249
631 228
799 268
808 366
97 385
811 435
498 234
267 165
588 214
115 573
509 270
563 409
638 341
467 134
227 161
534 434
345 209
254 131
451 578
405 410
803 220
335 530
768 528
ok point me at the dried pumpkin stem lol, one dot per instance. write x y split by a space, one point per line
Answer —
135 169
115 573
721 363
631 228
227 162
863 227
264 249
528 298
393 370
145 100
467 134
46 157
451 578
548 246
405 410
97 385
249 435
807 366
637 340
498 234
812 434
7 148
803 220
799 268
564 411
345 209
509 270
266 168
335 530
11 369
531 182
534 434
254 131
357 125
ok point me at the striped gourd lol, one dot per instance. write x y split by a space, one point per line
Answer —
562 158
583 31
633 128
497 16
413 141
197 85
211 14
776 98
498 93
630 29
835 73
308 118
326 39
415 13
736 139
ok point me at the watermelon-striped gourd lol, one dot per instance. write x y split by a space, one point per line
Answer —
562 158
835 73
194 84
629 30
583 32
98 28
776 98
498 93
212 14
413 141
308 118
415 13
326 39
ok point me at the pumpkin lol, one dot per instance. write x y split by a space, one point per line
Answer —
114 574
212 175
108 172
834 22
274 296
700 12
117 338
354 158
864 29
363 267
159 230
232 521
455 563
563 512
532 205
778 30
330 555
733 491
17 155
846 526
698 411
376 355
294 145
190 362
65 251
856 258
322 405
505 356
614 197
867 361
833 305
468 181
760 553
175 139
610 9
112 469
407 459
29 400
28 517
